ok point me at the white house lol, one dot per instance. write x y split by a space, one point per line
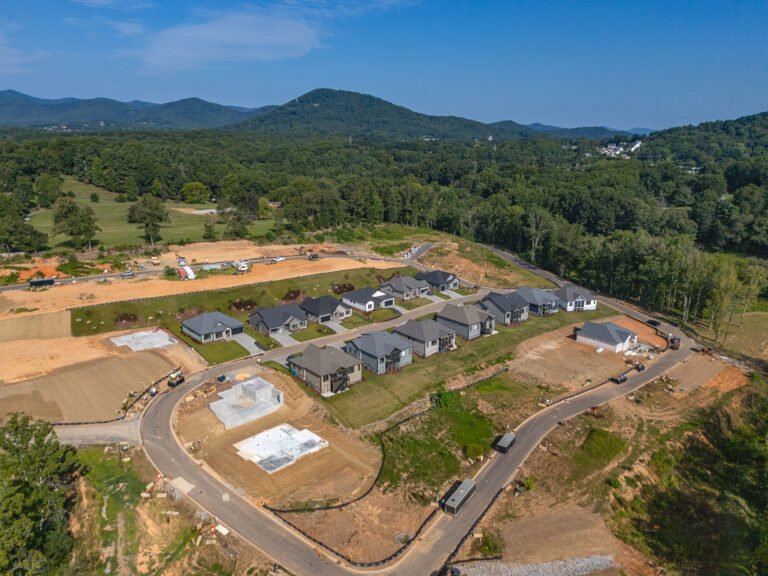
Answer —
572 298
608 336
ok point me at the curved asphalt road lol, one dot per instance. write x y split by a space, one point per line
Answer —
428 554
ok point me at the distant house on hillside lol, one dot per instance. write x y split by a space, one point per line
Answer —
540 302
467 321
368 299
405 287
428 337
279 319
607 335
381 352
211 326
328 370
507 309
439 281
572 298
325 309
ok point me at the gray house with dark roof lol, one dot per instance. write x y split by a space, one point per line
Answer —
540 302
506 308
381 352
279 319
325 309
405 287
468 321
572 298
428 337
607 335
439 281
211 326
368 299
328 370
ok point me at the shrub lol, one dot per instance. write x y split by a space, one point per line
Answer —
94 197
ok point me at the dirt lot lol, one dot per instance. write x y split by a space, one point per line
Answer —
342 470
84 294
25 359
202 252
645 334
40 326
87 391
45 266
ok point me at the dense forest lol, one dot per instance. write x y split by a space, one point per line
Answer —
682 225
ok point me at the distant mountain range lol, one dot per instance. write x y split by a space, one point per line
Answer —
321 112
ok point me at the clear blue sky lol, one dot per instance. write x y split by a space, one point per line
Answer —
571 63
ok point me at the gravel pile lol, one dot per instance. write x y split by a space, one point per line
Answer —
570 567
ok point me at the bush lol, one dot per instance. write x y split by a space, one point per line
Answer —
94 197
121 198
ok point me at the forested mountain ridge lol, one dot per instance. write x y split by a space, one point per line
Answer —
17 109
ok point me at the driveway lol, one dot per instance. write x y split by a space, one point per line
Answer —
451 294
284 339
248 343
336 327
399 309
434 298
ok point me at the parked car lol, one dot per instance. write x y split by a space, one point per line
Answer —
620 379
278 259
653 322
314 256
126 274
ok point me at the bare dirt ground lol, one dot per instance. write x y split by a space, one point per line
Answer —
203 252
342 470
68 296
25 359
86 391
39 326
365 531
645 333
45 266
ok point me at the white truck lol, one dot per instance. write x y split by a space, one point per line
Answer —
241 266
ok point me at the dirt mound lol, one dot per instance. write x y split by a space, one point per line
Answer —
342 288
126 318
291 295
243 305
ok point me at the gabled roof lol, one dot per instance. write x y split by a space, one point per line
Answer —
363 295
322 361
571 293
277 316
423 330
466 315
536 296
506 302
436 277
380 344
607 332
211 322
321 306
405 283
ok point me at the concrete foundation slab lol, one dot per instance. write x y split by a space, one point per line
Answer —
145 340
279 447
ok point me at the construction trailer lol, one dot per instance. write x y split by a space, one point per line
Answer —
459 496
506 442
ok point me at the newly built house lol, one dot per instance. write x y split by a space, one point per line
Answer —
405 287
540 302
607 335
381 352
328 370
279 320
325 309
439 281
572 298
211 326
368 299
505 308
427 336
467 321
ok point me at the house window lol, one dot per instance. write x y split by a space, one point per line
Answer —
403 353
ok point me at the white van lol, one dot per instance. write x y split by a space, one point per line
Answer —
241 266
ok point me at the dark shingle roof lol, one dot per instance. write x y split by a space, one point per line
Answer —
607 332
466 315
277 316
536 296
423 330
211 322
321 306
322 361
436 277
405 283
506 302
571 292
380 344
363 295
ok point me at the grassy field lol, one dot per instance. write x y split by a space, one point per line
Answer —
359 319
415 303
597 451
112 218
314 330
749 339
379 396
167 311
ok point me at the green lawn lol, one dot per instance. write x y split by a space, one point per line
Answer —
266 342
112 218
166 311
313 331
377 397
213 352
415 303
359 319
383 314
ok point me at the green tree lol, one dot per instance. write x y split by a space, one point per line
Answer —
237 225
94 197
150 212
157 189
37 476
195 193
75 220
209 230
48 189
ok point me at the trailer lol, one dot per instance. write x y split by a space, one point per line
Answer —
40 282
190 273
458 497
506 442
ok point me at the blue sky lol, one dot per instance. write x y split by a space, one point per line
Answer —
569 63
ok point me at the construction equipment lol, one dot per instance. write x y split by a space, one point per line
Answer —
155 260
674 342
620 379
181 259
301 250
639 366
175 378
